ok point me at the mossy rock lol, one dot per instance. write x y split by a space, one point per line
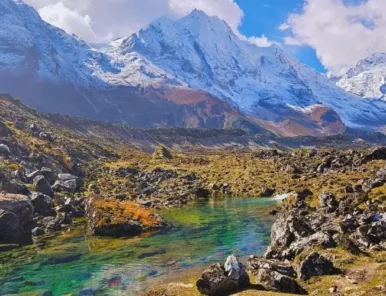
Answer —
162 152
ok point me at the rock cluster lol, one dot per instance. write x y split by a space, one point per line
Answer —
219 279
30 207
158 188
303 232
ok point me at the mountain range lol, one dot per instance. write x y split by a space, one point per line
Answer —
191 72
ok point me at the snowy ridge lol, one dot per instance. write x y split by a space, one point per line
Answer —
203 53
367 78
27 43
197 52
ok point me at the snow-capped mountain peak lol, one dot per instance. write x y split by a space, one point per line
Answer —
368 78
197 58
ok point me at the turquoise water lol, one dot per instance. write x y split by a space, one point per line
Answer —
201 233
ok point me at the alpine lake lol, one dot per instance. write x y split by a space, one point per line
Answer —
201 233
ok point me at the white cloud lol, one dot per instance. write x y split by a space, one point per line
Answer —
69 20
292 41
103 20
262 41
341 33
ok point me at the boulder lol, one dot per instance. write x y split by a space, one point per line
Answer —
10 228
267 192
278 282
38 231
4 130
66 177
236 270
316 265
162 152
255 263
202 193
66 186
375 154
292 169
20 125
49 174
287 228
318 239
42 204
223 280
41 185
16 218
4 150
17 187
328 201
33 175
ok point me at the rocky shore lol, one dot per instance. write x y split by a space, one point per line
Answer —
312 242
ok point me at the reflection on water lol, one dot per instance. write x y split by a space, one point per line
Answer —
201 233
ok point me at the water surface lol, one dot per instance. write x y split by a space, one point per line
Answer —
201 233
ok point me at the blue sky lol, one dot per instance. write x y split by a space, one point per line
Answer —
265 17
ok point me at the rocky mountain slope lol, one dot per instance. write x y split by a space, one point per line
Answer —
193 72
367 79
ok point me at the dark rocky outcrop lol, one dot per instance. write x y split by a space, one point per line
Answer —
316 265
274 275
4 130
16 218
224 279
42 204
41 185
274 280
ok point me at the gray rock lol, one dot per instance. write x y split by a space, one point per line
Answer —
38 231
66 177
327 200
4 150
19 125
4 130
298 245
49 174
66 186
255 263
279 282
41 185
42 204
10 228
33 175
236 270
18 187
287 228
220 280
15 218
316 265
